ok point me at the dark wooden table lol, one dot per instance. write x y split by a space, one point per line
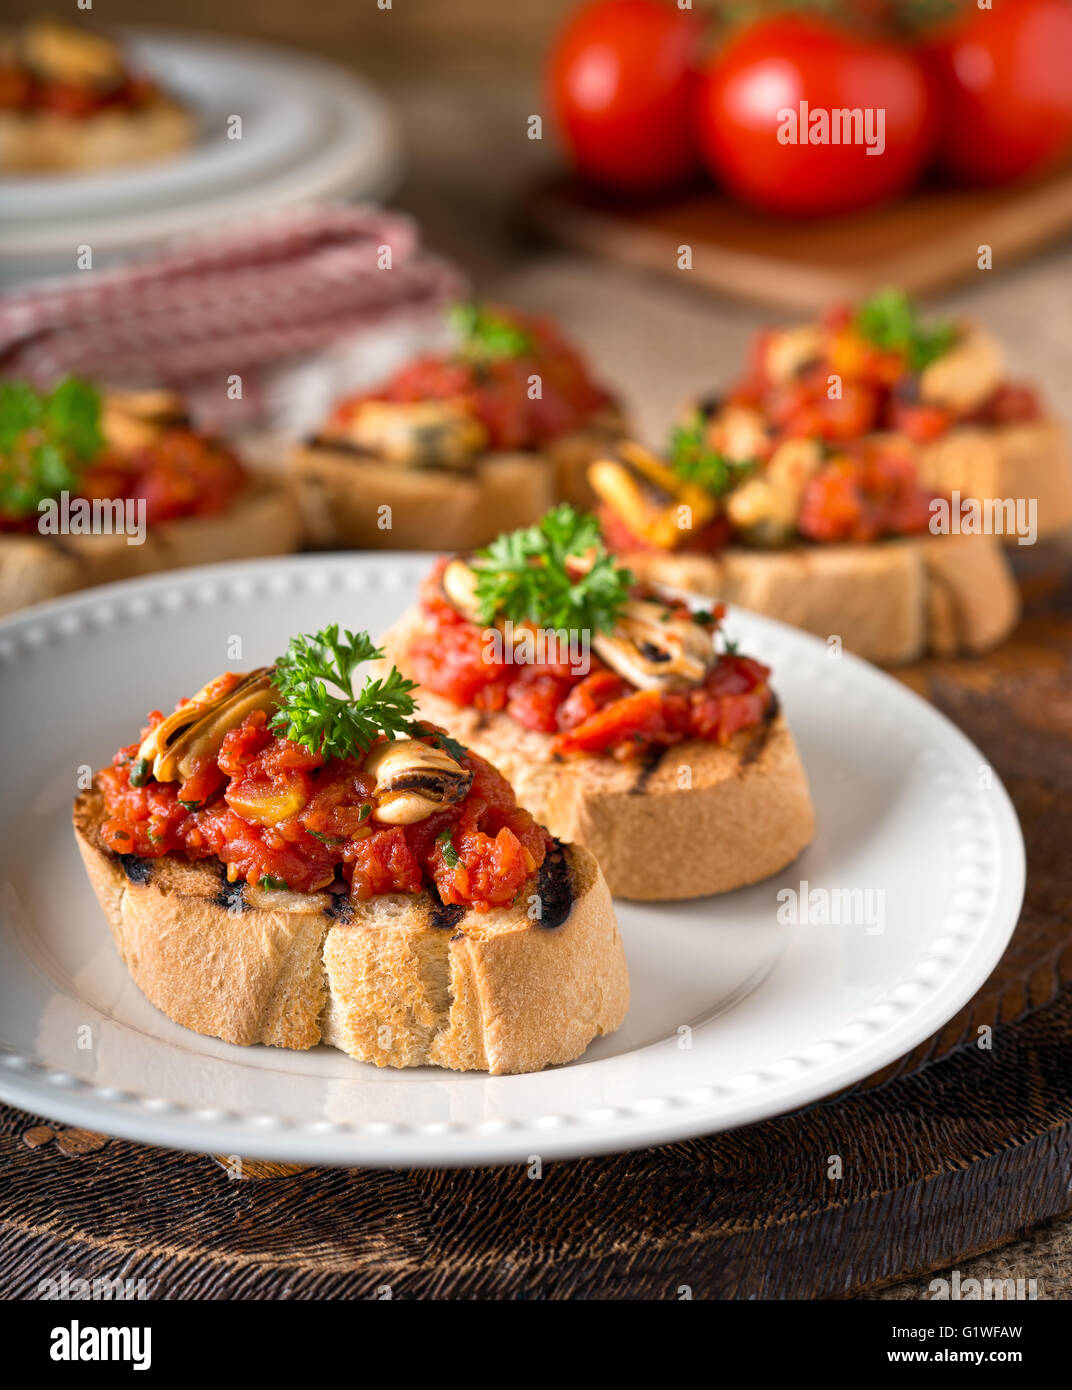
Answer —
952 1150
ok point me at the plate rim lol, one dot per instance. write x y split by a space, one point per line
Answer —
650 1120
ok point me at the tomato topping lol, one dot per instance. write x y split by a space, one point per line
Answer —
590 709
182 474
862 497
498 392
878 391
279 815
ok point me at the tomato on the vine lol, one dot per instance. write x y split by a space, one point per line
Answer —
767 69
1005 78
621 77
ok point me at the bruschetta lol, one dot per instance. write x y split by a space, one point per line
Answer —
618 717
69 103
879 369
834 539
99 486
290 861
458 445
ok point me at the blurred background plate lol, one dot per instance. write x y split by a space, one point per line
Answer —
309 130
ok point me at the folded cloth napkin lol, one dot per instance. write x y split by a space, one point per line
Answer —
238 301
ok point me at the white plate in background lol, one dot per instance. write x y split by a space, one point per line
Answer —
309 130
735 1016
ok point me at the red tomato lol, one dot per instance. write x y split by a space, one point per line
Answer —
771 67
621 81
1004 78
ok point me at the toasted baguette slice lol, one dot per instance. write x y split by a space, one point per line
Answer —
262 521
398 980
355 500
1029 461
43 142
696 819
890 602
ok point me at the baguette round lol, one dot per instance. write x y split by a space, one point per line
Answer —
398 980
1029 461
694 819
44 142
262 521
889 601
352 500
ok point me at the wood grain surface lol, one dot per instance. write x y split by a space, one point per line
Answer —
953 1150
923 243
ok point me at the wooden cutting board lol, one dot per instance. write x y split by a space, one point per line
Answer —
923 243
952 1150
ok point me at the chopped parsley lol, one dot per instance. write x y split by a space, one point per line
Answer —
46 437
525 575
694 460
889 320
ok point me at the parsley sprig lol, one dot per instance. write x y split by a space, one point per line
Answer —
693 459
889 320
484 335
335 721
526 576
45 439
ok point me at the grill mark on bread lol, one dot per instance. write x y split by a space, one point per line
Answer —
137 869
340 907
555 888
232 896
445 915
646 767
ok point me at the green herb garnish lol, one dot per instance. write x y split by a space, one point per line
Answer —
45 439
525 575
274 884
189 805
485 336
327 839
889 320
364 813
446 848
693 459
139 774
337 722
729 647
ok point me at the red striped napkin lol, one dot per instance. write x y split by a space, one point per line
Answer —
240 300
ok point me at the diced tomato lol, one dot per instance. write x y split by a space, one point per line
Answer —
498 392
280 815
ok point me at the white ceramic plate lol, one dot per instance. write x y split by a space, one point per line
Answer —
735 1016
309 130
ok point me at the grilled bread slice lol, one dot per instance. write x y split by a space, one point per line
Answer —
36 142
263 520
354 499
692 819
890 602
397 980
1029 460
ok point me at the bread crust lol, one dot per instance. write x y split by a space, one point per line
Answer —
262 521
399 981
343 493
696 819
44 142
889 602
1029 460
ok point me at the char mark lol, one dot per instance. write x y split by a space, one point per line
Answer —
137 869
555 887
646 766
232 896
445 915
